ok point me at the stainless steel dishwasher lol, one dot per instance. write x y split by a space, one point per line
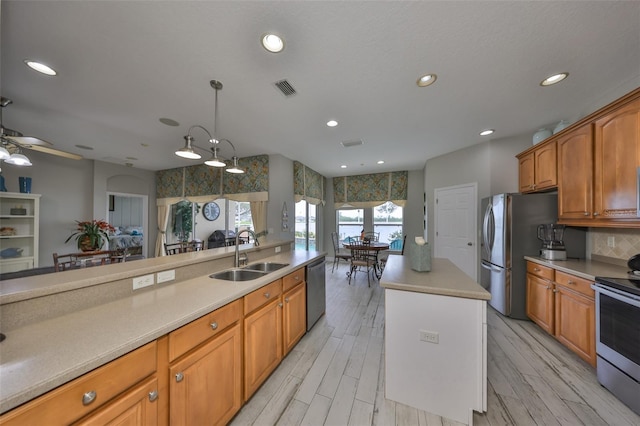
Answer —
315 292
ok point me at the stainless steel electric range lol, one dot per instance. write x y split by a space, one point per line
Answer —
618 337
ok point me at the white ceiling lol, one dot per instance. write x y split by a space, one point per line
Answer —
125 64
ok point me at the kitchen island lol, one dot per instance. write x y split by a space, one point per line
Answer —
40 354
435 339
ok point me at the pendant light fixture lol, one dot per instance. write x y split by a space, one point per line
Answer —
215 161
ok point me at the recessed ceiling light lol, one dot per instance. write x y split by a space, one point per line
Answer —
344 166
332 123
381 162
426 80
487 132
272 43
40 67
553 79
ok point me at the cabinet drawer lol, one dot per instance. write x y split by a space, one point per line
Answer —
65 404
261 296
575 283
540 270
191 335
290 281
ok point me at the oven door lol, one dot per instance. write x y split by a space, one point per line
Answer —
618 328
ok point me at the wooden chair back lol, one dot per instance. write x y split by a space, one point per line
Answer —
174 248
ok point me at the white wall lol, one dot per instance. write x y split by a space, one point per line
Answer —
75 190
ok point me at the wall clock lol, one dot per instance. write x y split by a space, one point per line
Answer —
211 211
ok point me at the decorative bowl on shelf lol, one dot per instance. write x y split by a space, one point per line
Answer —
11 252
7 231
541 135
563 124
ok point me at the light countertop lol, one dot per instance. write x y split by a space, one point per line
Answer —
584 268
444 279
39 357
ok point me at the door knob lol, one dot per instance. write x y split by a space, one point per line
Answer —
469 244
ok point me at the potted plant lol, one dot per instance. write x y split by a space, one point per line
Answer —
90 235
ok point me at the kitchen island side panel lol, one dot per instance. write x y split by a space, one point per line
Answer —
447 378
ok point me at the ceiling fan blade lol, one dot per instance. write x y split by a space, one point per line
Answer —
27 141
52 151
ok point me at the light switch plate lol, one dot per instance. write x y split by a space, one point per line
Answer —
278 249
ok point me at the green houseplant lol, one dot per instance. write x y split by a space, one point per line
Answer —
90 235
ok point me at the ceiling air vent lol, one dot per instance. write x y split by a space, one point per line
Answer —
349 144
285 87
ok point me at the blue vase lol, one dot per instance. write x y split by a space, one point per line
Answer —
25 184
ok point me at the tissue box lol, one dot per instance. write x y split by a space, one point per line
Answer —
420 257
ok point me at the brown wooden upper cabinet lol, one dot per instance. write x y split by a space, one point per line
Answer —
598 171
537 168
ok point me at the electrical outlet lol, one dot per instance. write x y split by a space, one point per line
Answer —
278 249
429 336
165 276
611 241
143 281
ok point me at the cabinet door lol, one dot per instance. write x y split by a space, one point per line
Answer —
540 302
262 345
545 161
575 174
205 386
575 323
294 315
139 406
617 158
526 173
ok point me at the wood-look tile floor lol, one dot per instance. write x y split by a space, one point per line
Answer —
335 375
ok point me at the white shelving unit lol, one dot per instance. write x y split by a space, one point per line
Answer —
26 227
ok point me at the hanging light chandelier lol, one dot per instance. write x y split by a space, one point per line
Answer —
187 151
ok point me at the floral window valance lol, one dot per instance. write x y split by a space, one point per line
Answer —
199 183
363 191
308 184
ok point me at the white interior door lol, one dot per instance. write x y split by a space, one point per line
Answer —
456 226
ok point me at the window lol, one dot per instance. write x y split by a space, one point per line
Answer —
350 223
387 220
306 230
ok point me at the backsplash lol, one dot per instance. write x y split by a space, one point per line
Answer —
627 242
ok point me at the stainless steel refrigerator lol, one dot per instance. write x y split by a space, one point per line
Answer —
509 232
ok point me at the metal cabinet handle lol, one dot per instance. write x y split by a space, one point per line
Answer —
571 282
536 270
296 278
179 377
548 287
89 397
555 290
586 213
267 295
286 299
280 305
596 213
153 395
214 325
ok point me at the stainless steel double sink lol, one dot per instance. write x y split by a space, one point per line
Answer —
249 272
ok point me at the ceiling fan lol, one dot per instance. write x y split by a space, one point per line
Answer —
14 141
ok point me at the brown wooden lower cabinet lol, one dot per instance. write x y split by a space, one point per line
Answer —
563 305
199 374
205 386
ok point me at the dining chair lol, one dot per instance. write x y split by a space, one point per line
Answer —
396 245
361 258
195 245
338 252
372 236
174 248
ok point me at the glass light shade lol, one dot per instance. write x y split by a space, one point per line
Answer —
18 159
187 151
40 67
235 169
272 43
4 154
556 78
215 162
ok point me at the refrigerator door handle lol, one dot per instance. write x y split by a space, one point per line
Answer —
487 234
490 267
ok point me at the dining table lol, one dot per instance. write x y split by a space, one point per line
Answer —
374 247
